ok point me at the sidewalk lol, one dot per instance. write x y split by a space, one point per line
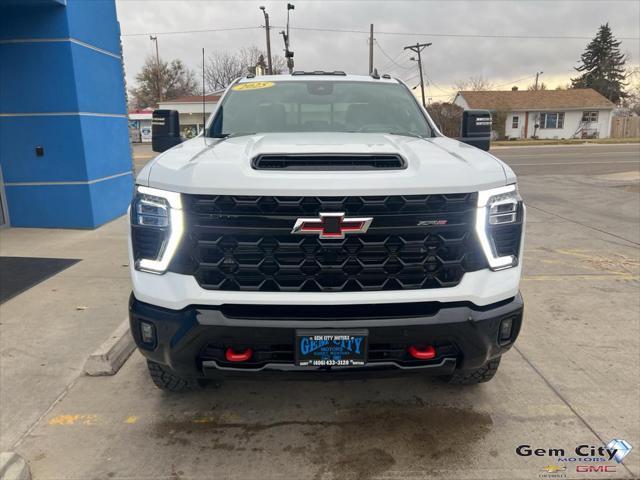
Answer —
47 332
570 141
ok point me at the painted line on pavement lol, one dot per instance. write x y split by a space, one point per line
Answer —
581 276
571 163
635 153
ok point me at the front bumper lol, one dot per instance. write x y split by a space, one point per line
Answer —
192 341
176 292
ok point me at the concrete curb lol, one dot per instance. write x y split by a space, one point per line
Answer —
582 144
13 467
112 354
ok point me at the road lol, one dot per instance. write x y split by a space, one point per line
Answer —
592 159
571 379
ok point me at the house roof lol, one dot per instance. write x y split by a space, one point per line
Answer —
574 98
193 99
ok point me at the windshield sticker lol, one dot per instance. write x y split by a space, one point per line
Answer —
253 85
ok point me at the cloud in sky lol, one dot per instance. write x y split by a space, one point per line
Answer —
450 59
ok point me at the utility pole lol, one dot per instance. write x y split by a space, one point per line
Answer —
204 110
417 48
537 75
288 54
154 38
266 28
535 125
370 49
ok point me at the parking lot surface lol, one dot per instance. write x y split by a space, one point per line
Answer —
571 380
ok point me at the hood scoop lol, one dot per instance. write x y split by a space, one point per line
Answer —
328 162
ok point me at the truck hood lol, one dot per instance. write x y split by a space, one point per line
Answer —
223 166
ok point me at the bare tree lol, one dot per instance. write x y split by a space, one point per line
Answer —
474 83
540 86
175 80
631 103
447 117
223 67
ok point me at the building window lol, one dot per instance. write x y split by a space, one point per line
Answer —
552 120
514 122
589 117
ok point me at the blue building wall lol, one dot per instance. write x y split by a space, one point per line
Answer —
62 88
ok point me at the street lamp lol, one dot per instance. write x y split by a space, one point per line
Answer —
154 38
266 27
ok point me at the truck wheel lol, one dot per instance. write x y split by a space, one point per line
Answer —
478 375
167 380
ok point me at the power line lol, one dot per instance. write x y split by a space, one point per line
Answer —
181 32
416 75
513 81
392 60
417 49
431 82
399 71
460 35
337 30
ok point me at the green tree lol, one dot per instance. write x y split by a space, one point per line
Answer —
603 66
172 80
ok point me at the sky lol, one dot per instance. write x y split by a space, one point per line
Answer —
469 38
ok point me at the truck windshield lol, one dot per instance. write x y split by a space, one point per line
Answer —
319 106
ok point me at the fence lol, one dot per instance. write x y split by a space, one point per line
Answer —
625 127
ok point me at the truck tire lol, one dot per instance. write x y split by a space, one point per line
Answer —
168 381
478 375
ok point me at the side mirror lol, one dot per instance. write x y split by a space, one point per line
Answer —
476 128
165 130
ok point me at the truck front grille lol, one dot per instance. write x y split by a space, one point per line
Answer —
245 243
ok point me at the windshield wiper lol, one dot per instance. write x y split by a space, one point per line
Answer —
406 134
232 135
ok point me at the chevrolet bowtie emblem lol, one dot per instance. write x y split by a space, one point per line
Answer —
554 468
332 225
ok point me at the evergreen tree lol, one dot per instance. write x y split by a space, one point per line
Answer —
602 66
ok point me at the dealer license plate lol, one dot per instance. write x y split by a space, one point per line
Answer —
333 348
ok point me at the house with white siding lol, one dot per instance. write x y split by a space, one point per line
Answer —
545 114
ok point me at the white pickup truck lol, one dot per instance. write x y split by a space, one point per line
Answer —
322 223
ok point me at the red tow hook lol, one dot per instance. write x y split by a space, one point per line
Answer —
232 356
426 353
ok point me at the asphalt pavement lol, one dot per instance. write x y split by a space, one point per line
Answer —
572 378
587 159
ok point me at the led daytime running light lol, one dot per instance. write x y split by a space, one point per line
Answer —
174 232
486 200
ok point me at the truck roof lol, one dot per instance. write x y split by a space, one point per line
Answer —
317 76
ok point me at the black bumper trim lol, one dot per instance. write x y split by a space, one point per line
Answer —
186 338
445 365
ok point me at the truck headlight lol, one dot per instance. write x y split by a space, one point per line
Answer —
156 228
499 225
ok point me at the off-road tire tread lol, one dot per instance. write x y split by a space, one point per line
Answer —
479 375
166 380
